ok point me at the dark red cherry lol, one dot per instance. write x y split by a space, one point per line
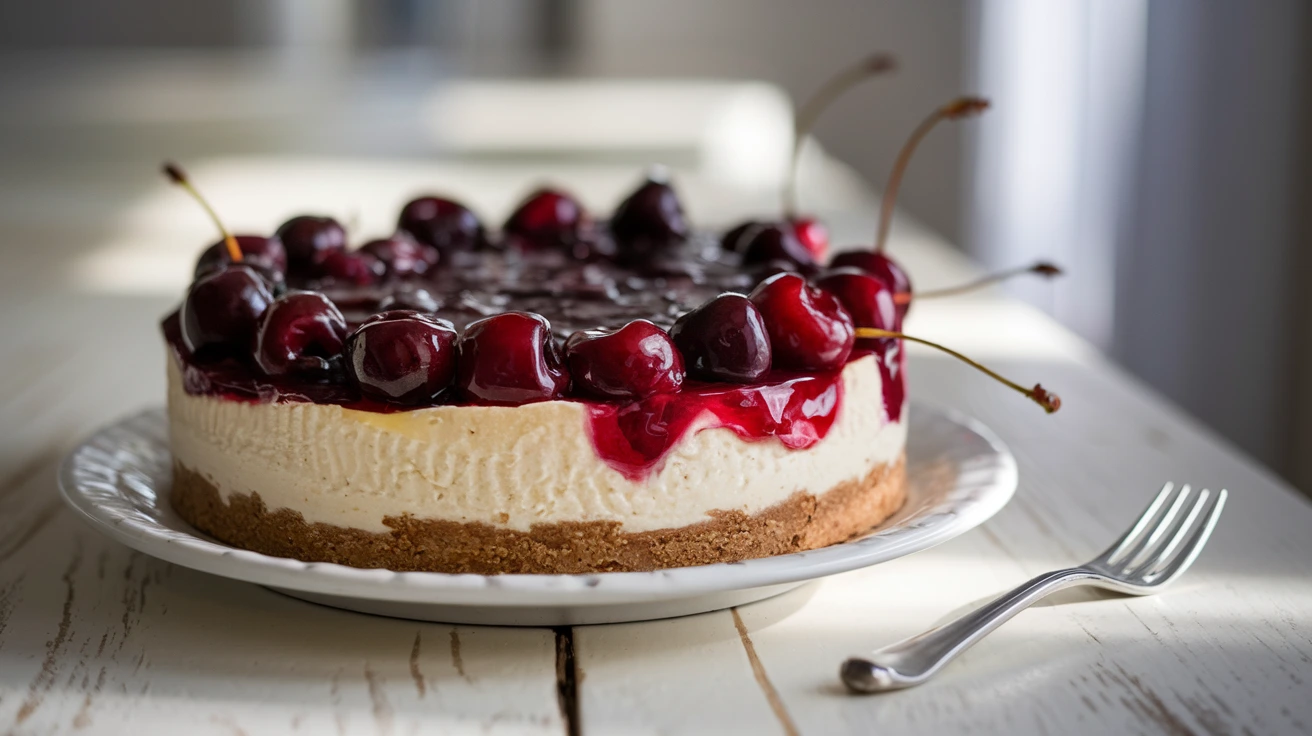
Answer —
351 267
868 299
809 330
256 250
402 357
813 235
736 238
649 218
633 362
402 256
724 340
775 243
300 333
549 217
880 266
510 359
308 239
442 223
221 310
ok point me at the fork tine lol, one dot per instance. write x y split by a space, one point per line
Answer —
1155 557
1188 552
1120 546
1166 528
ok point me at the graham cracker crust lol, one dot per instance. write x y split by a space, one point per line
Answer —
803 521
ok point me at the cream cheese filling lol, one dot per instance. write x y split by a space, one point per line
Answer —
510 467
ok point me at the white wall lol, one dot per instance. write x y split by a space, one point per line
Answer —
797 45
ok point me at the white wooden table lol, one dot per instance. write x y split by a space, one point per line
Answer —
99 639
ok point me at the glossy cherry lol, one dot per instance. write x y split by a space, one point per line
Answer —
813 235
351 267
402 256
510 359
633 362
809 329
649 218
867 299
775 243
442 223
724 339
549 217
221 310
309 238
301 332
402 357
734 239
881 267
267 254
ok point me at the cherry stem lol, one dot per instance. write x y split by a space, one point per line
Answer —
179 177
1042 268
1049 401
835 87
962 107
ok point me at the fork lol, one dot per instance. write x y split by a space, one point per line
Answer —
1156 550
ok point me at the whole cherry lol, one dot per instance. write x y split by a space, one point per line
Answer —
867 299
813 235
402 357
402 256
724 339
350 267
301 332
221 310
632 362
734 239
510 359
809 329
878 264
264 253
775 243
442 223
549 217
308 238
649 218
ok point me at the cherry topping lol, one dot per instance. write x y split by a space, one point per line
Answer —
402 256
308 238
442 223
221 310
549 217
411 298
403 357
510 359
649 218
809 329
724 339
265 253
734 238
775 243
633 362
351 267
300 332
879 265
867 299
811 233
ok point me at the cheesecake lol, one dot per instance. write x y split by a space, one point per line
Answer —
563 395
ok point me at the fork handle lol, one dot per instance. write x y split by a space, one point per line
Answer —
912 661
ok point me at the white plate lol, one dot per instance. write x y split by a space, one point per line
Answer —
960 475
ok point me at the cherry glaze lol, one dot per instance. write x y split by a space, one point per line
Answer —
635 437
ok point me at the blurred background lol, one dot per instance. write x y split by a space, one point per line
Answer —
1157 150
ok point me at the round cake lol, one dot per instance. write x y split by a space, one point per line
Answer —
561 396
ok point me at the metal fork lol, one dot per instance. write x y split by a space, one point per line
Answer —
1156 550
